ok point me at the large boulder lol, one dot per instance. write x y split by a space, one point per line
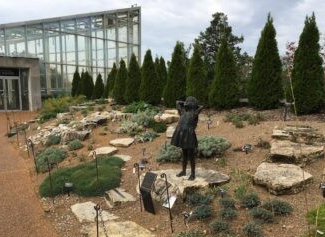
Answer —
282 178
167 118
285 151
122 142
170 131
71 134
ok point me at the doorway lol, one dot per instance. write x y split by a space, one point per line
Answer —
10 97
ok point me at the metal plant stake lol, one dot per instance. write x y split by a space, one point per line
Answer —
163 175
97 207
31 145
136 166
50 177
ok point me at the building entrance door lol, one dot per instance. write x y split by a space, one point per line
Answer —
9 93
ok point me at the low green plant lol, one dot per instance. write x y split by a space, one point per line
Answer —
90 147
129 127
238 123
199 199
227 203
203 212
54 155
83 177
139 106
262 215
143 118
209 146
169 153
278 207
101 101
221 162
148 136
158 127
75 145
90 108
191 234
251 229
220 227
240 191
84 112
53 140
237 119
250 200
263 144
228 213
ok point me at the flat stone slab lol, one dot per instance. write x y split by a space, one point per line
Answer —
124 157
117 196
282 178
85 212
105 150
71 134
167 118
171 111
122 142
118 229
289 152
302 134
170 131
77 107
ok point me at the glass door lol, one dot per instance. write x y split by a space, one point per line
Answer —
12 94
2 95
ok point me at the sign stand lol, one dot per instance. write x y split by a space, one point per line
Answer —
163 175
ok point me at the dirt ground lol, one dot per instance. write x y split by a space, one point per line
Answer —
236 163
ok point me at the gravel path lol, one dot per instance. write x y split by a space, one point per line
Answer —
21 213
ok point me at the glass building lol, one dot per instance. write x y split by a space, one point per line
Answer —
91 42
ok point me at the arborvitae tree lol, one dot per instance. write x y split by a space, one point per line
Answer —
81 84
149 87
119 84
75 83
157 67
110 82
224 93
264 89
88 86
308 74
99 87
197 79
162 74
176 80
133 81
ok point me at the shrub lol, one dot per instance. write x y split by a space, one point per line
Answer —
251 229
133 81
119 84
228 213
262 214
237 119
263 144
83 177
54 155
53 140
140 106
129 127
203 212
169 153
227 203
84 112
278 207
146 137
75 145
143 118
250 200
210 145
191 234
199 199
158 127
220 227
98 88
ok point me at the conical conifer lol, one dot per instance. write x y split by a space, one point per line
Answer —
99 87
133 81
75 83
162 74
119 84
110 82
81 84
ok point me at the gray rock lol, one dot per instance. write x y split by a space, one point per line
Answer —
124 157
105 150
117 196
122 142
282 178
77 108
71 134
167 118
170 131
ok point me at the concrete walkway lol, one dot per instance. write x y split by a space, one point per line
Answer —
21 214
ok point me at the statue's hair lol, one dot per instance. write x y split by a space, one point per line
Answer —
191 103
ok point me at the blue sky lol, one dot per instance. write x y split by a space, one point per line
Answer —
166 21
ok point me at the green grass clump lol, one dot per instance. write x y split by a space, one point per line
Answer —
210 145
228 213
140 106
191 234
199 199
278 207
227 203
238 119
53 140
203 212
262 215
54 155
144 118
250 200
220 227
158 127
251 229
148 136
75 145
312 218
169 153
84 179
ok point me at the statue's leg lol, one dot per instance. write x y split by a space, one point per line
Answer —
191 157
185 160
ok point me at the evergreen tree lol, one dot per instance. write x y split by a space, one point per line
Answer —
110 81
119 84
163 74
176 79
264 89
81 84
133 81
75 83
88 86
99 87
149 87
224 93
197 79
157 67
308 74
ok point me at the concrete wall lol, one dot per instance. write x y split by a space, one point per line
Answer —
34 82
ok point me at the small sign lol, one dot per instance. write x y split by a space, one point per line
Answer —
148 181
172 200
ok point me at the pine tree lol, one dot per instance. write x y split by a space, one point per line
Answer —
264 89
149 87
119 84
133 81
88 86
224 93
75 83
99 87
197 79
176 79
81 84
163 74
157 67
308 74
110 82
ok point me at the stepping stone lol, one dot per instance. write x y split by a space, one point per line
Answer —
85 212
124 157
117 196
282 178
170 131
122 142
105 150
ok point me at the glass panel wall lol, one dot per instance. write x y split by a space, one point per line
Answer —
15 41
2 42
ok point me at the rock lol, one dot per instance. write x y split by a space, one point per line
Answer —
122 142
282 178
119 229
71 134
167 118
85 212
105 150
124 157
171 111
117 196
99 119
64 116
170 131
288 152
77 108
